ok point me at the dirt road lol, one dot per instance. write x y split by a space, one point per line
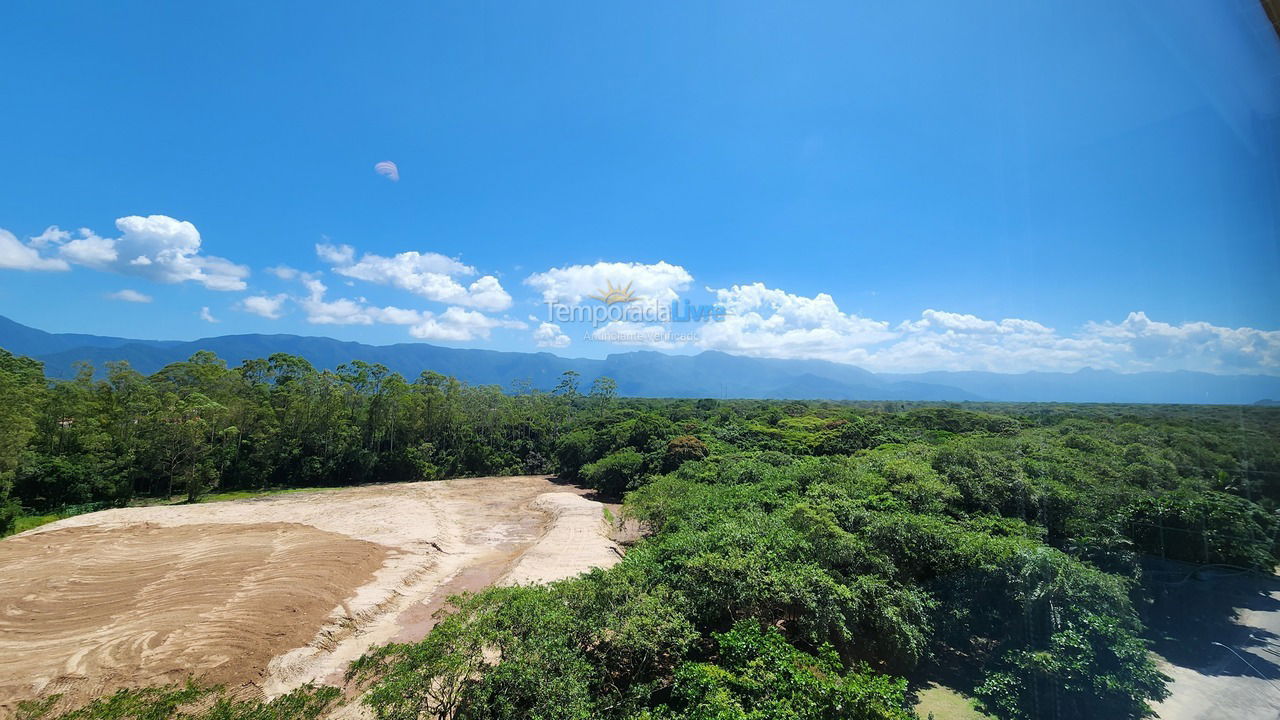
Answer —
269 593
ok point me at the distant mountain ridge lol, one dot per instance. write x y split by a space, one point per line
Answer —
654 374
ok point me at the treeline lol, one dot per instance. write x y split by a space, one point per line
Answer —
199 425
803 558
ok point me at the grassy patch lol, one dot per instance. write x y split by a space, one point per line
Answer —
230 495
247 494
942 703
26 522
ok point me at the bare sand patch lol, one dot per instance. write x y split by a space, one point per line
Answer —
86 610
420 542
569 544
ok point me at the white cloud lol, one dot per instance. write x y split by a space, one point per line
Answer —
963 323
454 324
952 341
1149 344
549 335
90 250
963 342
336 312
15 255
767 322
336 254
220 273
128 295
458 325
52 235
267 306
761 321
430 275
487 294
660 282
156 247
397 316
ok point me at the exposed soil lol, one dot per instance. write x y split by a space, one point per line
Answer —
88 609
266 594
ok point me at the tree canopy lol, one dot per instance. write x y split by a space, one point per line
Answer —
801 559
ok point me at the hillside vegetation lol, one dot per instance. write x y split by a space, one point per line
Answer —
802 558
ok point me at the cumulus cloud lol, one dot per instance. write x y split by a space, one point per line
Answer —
942 340
964 323
768 322
454 324
336 254
156 247
267 306
284 272
207 316
90 250
342 311
1159 345
52 235
16 255
660 282
950 342
550 335
128 295
458 325
430 275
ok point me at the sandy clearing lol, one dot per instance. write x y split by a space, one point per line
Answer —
373 562
569 543
81 614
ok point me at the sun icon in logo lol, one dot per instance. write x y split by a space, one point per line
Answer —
611 294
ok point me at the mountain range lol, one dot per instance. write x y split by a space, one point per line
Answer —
655 374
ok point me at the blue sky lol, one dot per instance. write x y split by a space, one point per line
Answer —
986 185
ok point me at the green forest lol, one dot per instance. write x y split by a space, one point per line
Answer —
801 559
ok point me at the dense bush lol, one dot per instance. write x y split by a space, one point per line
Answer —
614 473
681 449
760 676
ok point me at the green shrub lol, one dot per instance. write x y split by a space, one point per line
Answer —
616 473
9 512
758 675
682 449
